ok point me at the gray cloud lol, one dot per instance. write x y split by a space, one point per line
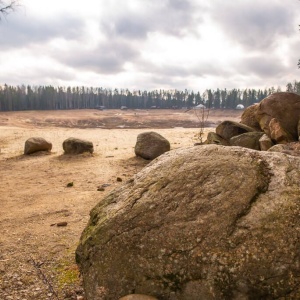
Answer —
173 17
293 55
181 71
21 31
131 27
37 76
125 29
254 24
168 82
107 58
263 31
262 66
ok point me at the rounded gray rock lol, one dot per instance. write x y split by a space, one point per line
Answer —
36 144
209 222
229 129
150 145
77 146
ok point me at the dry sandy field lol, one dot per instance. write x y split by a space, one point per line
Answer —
37 258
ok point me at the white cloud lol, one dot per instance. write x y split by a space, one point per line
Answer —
194 44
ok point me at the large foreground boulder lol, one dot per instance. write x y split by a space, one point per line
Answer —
77 146
36 144
150 145
207 222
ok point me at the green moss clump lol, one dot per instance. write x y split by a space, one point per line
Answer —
67 275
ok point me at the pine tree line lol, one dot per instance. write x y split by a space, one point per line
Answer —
13 98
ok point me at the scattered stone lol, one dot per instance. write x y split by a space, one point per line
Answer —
248 140
77 146
61 224
101 188
150 145
277 148
278 116
214 138
209 222
265 143
119 179
228 129
36 144
290 148
70 184
138 297
249 117
283 106
278 133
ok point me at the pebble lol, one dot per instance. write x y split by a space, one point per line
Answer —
61 224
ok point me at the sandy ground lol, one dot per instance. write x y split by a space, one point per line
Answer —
37 256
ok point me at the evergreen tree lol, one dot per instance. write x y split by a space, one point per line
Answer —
49 97
217 99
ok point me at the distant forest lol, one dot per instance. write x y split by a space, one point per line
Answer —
13 98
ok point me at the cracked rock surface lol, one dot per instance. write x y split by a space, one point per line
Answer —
206 222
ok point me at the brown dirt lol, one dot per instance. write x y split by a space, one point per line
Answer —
37 256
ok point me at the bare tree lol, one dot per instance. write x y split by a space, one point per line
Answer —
7 7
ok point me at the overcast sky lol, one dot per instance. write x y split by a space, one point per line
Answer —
152 44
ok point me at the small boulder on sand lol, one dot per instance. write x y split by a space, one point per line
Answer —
150 145
36 144
77 146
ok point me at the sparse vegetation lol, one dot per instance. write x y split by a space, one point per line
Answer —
202 116
7 7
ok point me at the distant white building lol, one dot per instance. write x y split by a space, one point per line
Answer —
200 106
240 106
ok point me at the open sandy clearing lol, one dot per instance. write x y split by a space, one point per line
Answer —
36 255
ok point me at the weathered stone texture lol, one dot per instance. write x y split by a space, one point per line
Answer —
77 146
150 145
36 144
208 222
